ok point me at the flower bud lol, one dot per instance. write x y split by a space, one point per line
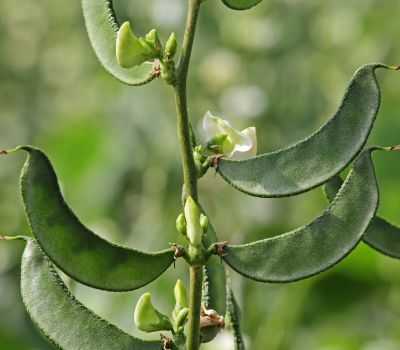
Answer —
192 215
180 294
148 319
204 223
181 225
181 317
153 38
170 46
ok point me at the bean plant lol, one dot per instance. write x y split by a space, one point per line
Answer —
60 240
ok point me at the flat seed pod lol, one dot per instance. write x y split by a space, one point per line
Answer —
319 245
381 235
241 4
319 157
76 250
214 294
102 27
66 322
233 313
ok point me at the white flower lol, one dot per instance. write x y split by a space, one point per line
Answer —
233 143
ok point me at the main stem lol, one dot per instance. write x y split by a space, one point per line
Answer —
188 165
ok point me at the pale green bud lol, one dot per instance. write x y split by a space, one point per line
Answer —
148 319
181 225
192 215
129 50
170 46
204 222
153 38
180 294
132 51
181 317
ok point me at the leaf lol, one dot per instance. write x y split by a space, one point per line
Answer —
319 245
241 4
380 235
66 322
76 250
102 27
316 159
233 313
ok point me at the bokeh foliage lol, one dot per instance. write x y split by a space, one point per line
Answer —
281 66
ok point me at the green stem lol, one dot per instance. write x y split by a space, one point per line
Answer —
193 330
189 168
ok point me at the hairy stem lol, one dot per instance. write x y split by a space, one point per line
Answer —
193 335
188 165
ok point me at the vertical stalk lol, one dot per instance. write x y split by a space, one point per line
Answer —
188 165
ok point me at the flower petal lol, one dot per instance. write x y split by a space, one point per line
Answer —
250 152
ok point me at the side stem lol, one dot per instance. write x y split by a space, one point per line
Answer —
188 165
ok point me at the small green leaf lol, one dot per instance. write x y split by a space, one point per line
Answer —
66 322
76 250
319 245
233 314
241 4
313 161
102 27
381 235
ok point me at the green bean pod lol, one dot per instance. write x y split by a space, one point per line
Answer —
381 235
319 245
76 250
66 322
214 294
233 313
313 161
241 4
102 27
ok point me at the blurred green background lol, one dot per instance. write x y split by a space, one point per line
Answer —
281 66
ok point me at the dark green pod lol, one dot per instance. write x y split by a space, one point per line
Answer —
381 235
77 251
319 245
319 157
241 4
233 313
66 322
214 285
102 27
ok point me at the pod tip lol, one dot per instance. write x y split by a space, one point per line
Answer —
8 151
392 148
12 238
394 67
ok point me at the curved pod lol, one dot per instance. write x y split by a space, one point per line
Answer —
66 322
319 245
319 157
381 235
233 312
241 4
214 287
76 250
102 27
